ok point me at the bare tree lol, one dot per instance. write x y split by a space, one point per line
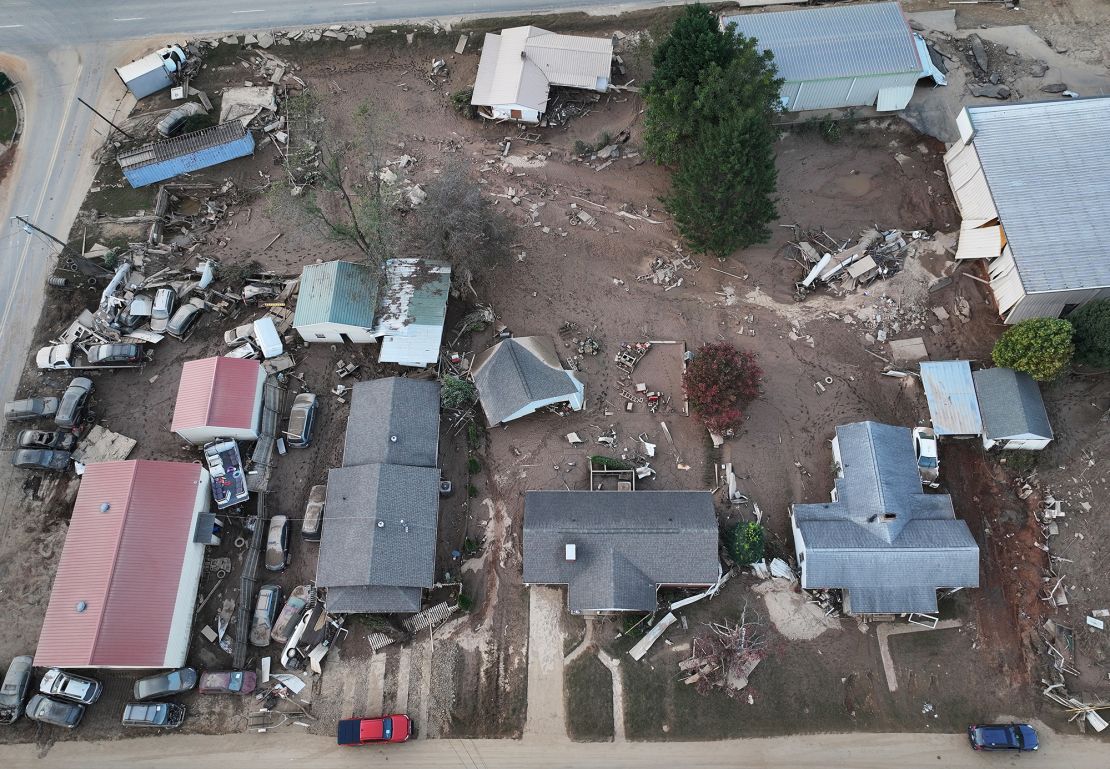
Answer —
457 225
335 182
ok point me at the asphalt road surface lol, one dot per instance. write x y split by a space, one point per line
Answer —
58 50
844 751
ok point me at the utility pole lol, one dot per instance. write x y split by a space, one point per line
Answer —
106 120
27 227
66 250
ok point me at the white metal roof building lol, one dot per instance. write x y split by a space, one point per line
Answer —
1032 182
411 311
845 56
950 391
518 67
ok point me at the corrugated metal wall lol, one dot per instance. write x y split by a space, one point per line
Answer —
167 169
1049 304
969 186
841 92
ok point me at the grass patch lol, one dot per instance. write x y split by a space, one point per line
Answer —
121 201
589 694
7 118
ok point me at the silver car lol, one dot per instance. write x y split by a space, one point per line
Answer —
165 300
67 686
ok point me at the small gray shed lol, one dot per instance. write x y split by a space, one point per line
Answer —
1014 415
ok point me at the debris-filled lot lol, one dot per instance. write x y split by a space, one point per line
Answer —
596 266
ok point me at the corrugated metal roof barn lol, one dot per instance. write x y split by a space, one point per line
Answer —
127 580
843 56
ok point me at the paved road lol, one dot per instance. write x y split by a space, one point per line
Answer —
60 49
842 751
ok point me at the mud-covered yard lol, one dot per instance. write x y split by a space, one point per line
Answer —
469 677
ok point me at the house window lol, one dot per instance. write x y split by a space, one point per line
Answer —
516 114
321 336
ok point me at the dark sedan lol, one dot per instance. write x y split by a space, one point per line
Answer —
51 711
1019 737
41 459
165 684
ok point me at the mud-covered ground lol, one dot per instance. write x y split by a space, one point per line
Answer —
469 678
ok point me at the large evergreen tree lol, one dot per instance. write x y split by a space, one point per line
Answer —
720 195
710 108
695 43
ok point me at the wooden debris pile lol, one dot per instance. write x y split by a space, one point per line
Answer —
724 657
846 265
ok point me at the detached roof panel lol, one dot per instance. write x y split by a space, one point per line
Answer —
950 391
827 43
519 66
186 144
1048 168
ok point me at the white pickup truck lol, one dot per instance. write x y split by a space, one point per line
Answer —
61 356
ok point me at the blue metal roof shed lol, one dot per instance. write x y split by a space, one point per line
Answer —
950 390
163 160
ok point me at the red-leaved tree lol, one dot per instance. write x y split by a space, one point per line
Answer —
720 380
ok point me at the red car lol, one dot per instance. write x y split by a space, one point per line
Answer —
360 731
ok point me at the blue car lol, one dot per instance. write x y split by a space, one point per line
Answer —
1003 737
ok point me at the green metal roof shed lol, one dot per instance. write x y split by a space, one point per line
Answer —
336 302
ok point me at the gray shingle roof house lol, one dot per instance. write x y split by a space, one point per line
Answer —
378 543
393 421
614 549
519 376
1014 415
882 541
379 537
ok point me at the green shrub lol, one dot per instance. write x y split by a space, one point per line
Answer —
473 466
466 603
1092 333
471 490
747 543
460 100
1041 347
457 393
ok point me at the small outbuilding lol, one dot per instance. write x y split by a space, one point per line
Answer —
219 397
336 302
1014 416
519 376
183 154
412 310
862 55
519 66
615 549
128 577
950 391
